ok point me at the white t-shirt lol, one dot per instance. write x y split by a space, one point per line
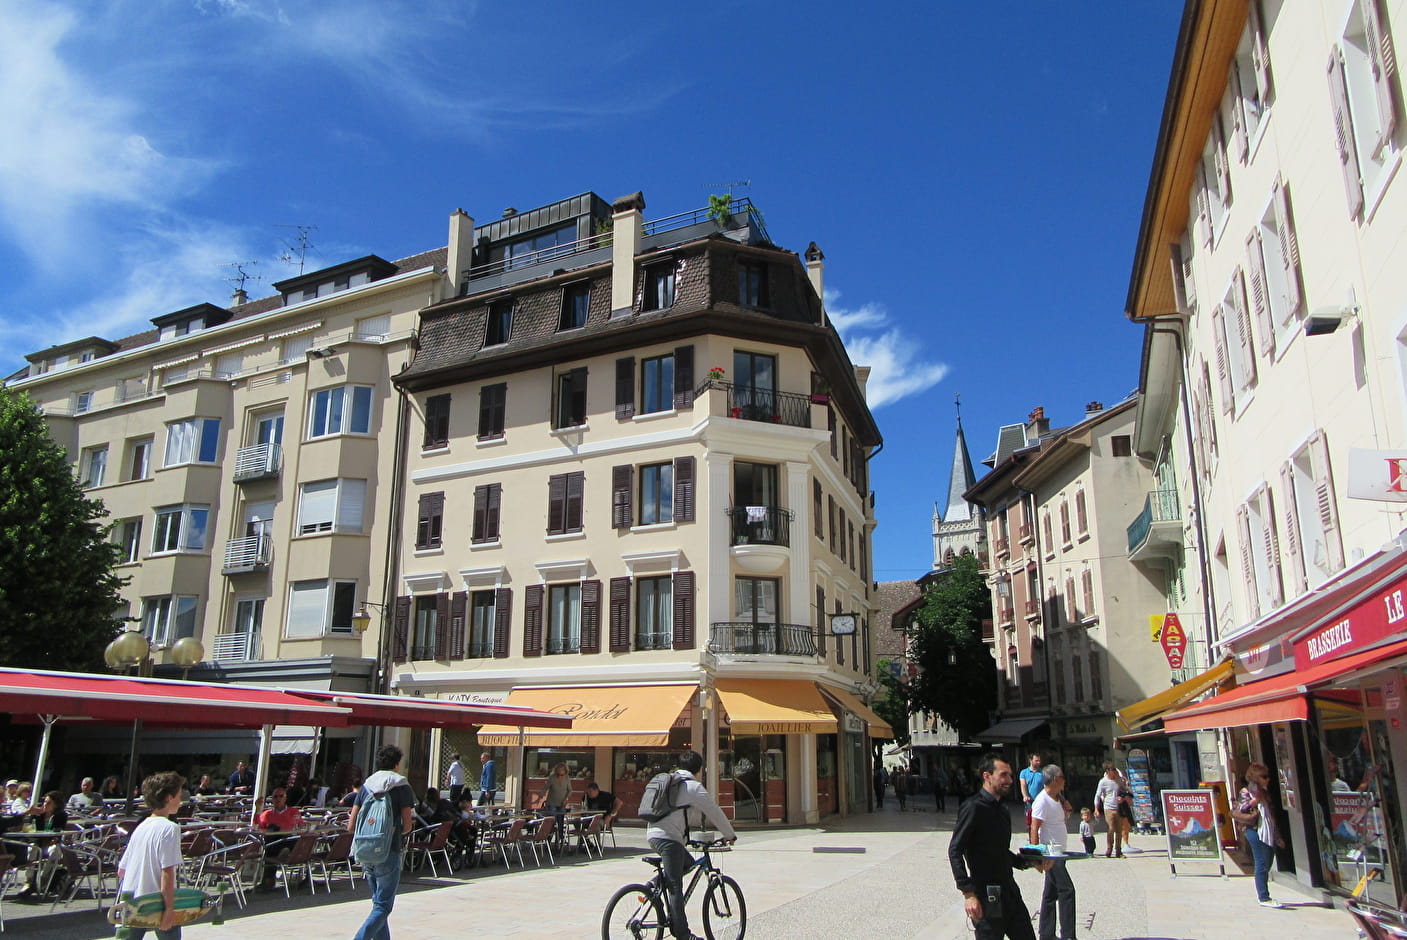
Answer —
155 845
456 774
1052 818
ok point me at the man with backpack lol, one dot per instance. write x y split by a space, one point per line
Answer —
382 814
674 804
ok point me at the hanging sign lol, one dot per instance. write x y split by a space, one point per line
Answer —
1174 641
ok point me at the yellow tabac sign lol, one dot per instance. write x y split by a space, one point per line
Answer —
1155 626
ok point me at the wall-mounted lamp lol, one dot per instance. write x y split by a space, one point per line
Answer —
322 353
361 620
1327 320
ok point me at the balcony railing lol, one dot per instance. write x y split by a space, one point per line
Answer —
750 403
1001 547
1033 608
257 462
248 554
1157 530
768 639
1025 533
760 525
1006 614
235 648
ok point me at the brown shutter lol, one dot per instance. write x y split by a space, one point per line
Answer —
481 508
625 388
684 489
1272 547
620 615
557 504
1328 504
532 620
684 377
821 620
502 621
400 631
1296 579
1223 370
1289 247
1238 115
441 626
430 526
1384 62
1248 571
622 487
1243 325
1260 300
576 485
458 609
495 499
683 610
1260 58
1343 134
591 616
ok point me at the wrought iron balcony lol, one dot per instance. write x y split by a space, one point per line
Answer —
252 554
767 639
749 403
760 525
258 462
1156 532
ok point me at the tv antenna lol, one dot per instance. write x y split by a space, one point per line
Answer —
240 276
299 246
746 184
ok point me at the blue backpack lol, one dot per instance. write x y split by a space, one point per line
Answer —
377 828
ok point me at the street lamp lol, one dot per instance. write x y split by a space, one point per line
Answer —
361 620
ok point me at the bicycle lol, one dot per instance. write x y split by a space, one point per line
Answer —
640 911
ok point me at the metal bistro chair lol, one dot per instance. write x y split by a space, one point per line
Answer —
510 835
542 836
6 872
338 853
82 865
239 860
608 827
591 830
296 859
434 840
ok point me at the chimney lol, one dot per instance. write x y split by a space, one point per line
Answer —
461 250
1037 424
1093 408
239 298
815 269
628 215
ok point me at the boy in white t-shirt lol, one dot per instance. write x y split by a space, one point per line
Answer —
1087 829
1048 812
153 854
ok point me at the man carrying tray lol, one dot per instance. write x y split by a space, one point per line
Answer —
153 855
1048 814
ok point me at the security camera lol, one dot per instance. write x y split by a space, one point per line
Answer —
1328 319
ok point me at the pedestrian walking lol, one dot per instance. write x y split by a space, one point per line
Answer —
454 779
1256 815
940 787
1106 797
881 780
1087 829
900 781
384 877
1049 811
487 787
152 857
1031 784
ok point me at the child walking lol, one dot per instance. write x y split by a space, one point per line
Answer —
1087 830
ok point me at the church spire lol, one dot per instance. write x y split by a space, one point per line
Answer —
962 477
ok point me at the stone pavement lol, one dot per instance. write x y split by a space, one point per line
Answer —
899 887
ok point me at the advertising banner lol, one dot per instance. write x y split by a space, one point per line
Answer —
1352 822
1191 826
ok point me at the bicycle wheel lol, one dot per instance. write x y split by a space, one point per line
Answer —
634 913
724 910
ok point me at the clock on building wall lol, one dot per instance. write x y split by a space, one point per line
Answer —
842 624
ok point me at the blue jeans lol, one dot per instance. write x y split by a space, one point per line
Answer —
1263 855
675 861
384 878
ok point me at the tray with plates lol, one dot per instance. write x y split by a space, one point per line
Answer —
1043 851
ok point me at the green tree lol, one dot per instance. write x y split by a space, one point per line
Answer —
892 703
58 587
957 678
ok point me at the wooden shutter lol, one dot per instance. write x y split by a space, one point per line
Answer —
458 611
1384 63
591 616
821 620
1328 504
1343 134
625 388
441 626
491 512
436 421
1181 289
1240 139
1289 247
400 631
502 621
620 615
1219 160
1293 549
1244 333
576 485
557 504
1209 424
1272 547
684 489
816 509
1248 571
1204 205
532 620
622 488
430 526
1260 299
1223 369
684 377
683 610
1260 58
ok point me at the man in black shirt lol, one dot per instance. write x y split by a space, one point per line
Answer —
982 860
602 801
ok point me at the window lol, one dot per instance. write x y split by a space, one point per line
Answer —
756 604
319 607
569 408
656 493
493 401
654 609
564 618
168 618
576 304
131 541
1096 679
82 401
755 385
816 512
659 287
1263 546
1072 609
1064 522
830 517
1081 514
1273 269
345 409
139 459
426 630
93 461
500 323
850 541
1361 80
249 615
830 424
295 348
436 421
268 428
1121 445
752 284
656 384
1087 592
487 500
1077 667
543 246
196 440
481 619
1045 533
1250 85
331 506
431 520
1235 347
1312 541
180 529
564 502
372 329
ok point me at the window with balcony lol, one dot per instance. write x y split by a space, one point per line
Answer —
138 461
659 286
180 529
169 618
345 409
656 493
430 521
1362 87
372 329
757 615
196 440
493 404
93 466
482 611
576 304
487 500
564 502
499 327
130 539
656 384
538 247
316 608
436 422
564 618
294 348
752 284
569 399
654 610
332 506
755 385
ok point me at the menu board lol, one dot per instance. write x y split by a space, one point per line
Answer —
1140 776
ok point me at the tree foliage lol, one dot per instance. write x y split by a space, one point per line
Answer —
58 586
957 678
892 703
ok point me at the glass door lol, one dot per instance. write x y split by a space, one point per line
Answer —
755 385
757 615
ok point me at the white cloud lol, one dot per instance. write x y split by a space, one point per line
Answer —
895 358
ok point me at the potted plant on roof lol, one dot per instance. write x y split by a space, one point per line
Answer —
720 210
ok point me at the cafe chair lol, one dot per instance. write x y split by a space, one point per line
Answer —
82 867
240 863
296 859
542 836
608 827
338 853
6 872
434 840
591 835
510 835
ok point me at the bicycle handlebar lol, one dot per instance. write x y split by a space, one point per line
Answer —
715 844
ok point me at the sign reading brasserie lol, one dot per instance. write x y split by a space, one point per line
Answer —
1376 618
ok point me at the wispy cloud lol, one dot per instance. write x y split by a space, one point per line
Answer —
898 367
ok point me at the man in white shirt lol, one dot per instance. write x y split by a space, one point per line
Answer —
667 836
1106 797
153 854
454 777
85 800
1048 813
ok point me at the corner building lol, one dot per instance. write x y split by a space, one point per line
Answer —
637 493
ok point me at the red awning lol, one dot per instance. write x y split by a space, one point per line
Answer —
178 704
402 711
1279 698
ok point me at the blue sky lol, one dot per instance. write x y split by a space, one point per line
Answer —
975 182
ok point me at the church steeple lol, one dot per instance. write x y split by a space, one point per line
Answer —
957 525
961 479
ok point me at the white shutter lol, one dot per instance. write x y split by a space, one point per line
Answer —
1238 115
1328 504
1296 584
351 501
1260 300
1272 546
374 328
1204 205
1343 134
296 347
1384 62
1209 424
1189 283
1289 248
1219 161
1248 571
316 508
1260 57
1223 368
229 364
1243 326
307 609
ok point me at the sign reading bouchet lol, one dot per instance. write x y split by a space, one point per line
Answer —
1190 817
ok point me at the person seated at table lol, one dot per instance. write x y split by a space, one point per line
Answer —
279 818
242 780
206 786
111 789
432 810
48 816
20 803
602 801
86 800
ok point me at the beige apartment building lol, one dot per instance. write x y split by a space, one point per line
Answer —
637 492
1270 277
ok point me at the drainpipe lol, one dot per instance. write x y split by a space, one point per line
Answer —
382 675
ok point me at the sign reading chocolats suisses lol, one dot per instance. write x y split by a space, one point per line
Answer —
1375 618
1189 817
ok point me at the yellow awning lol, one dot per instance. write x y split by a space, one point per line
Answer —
775 706
879 728
1156 706
603 716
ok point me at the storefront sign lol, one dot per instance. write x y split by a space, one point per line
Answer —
1375 619
854 725
1190 816
477 698
1377 475
1155 626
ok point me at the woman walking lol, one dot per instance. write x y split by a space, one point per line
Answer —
1256 814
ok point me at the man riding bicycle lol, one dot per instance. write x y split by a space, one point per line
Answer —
668 834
